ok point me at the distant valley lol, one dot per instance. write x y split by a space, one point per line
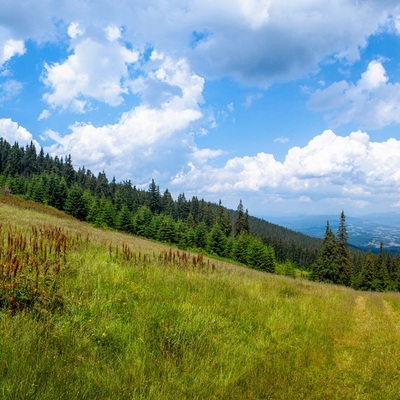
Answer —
365 232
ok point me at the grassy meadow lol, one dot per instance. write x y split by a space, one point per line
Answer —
113 316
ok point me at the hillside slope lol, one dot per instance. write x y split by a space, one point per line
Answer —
153 327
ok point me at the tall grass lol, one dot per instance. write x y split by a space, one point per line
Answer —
140 321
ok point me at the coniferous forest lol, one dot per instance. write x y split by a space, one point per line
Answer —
192 224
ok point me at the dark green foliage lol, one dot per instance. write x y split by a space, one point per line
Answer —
201 233
166 230
327 268
241 224
223 219
154 198
194 224
106 216
217 241
260 256
141 221
75 204
345 262
240 246
124 220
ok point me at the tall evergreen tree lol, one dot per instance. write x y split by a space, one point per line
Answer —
223 219
217 241
124 220
241 224
345 262
154 198
327 267
75 204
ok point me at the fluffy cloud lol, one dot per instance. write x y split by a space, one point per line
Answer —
10 49
266 41
371 102
96 70
329 166
12 132
149 139
255 41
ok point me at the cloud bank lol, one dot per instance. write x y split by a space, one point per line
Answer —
371 102
350 170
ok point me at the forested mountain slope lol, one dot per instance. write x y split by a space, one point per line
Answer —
191 224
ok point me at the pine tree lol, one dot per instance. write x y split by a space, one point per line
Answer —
240 246
141 220
201 233
368 273
327 267
345 262
154 198
381 281
182 207
260 256
166 230
241 224
217 241
124 220
168 205
222 217
75 204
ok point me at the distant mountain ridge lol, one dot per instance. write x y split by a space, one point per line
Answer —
365 232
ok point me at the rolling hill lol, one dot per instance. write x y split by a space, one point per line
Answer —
115 316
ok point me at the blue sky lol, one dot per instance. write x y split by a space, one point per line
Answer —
291 106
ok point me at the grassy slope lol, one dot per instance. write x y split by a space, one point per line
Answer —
144 331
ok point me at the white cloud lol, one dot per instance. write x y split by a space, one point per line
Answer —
350 167
256 42
45 114
12 132
281 140
10 49
10 89
113 33
372 102
75 30
251 98
96 70
152 138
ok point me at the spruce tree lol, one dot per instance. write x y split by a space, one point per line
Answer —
75 204
154 198
241 224
124 220
345 262
217 241
327 267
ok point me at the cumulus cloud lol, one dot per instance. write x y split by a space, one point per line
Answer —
256 42
282 41
12 132
372 102
95 70
328 166
75 30
150 138
10 49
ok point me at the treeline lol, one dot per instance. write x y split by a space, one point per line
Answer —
360 270
190 224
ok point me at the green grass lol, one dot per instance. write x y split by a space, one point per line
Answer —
146 331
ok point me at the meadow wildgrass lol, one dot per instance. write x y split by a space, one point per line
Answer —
30 265
142 321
